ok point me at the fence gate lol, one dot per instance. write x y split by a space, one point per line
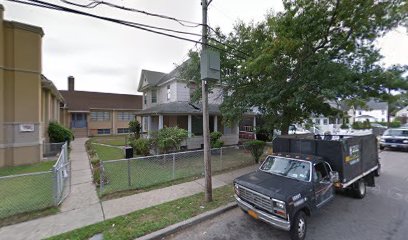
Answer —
62 176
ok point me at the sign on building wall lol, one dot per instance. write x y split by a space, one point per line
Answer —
27 127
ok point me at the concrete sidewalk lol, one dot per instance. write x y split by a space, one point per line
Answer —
83 208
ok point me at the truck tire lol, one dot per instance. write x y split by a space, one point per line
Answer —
359 189
299 227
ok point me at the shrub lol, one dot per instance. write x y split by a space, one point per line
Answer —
256 148
344 126
135 128
141 146
215 141
395 124
58 133
170 138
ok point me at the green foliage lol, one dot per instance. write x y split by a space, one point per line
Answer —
215 141
135 128
141 146
256 148
58 133
395 124
344 126
170 138
361 125
313 52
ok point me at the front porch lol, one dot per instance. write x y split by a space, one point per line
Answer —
193 123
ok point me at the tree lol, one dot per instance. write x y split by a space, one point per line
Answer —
135 128
311 53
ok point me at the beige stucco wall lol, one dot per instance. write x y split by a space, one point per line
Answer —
20 91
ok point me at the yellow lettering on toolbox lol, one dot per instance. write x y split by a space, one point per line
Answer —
348 158
252 214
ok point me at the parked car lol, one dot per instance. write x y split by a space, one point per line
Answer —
394 138
302 176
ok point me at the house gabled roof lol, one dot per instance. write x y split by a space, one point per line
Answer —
374 105
149 78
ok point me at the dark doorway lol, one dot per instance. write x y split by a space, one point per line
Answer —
78 120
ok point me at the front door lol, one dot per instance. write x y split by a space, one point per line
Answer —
78 120
324 190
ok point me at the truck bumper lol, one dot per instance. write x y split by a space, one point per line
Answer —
266 217
394 145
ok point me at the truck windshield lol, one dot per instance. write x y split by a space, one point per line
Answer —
287 167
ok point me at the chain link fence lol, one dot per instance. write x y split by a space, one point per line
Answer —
142 172
22 193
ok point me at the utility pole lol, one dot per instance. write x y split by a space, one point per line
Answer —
206 123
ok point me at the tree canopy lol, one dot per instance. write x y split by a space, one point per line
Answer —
291 64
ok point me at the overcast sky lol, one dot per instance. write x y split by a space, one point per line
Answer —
107 57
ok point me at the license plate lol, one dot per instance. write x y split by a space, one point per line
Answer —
253 214
394 145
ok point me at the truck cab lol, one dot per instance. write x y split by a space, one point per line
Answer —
290 186
284 185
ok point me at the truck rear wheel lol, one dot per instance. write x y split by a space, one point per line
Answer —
299 227
360 189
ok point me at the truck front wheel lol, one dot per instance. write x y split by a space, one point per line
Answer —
298 228
360 189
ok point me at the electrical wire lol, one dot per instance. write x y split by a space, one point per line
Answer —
42 4
95 4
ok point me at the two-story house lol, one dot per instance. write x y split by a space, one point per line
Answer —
374 111
167 103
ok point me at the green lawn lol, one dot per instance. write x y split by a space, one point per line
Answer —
151 219
108 153
25 194
36 167
117 140
150 171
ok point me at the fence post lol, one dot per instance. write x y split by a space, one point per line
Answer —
222 167
55 185
174 166
101 173
66 151
129 179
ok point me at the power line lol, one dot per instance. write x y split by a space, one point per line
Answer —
95 4
144 27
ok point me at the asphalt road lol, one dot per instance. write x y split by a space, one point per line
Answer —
382 214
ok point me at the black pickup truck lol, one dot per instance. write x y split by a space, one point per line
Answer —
303 175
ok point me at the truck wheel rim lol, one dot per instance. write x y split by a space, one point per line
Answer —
301 227
362 188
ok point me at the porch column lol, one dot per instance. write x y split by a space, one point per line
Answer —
215 123
189 128
254 127
114 122
160 122
149 126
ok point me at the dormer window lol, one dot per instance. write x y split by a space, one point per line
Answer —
145 79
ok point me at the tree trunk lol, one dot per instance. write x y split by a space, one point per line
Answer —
284 129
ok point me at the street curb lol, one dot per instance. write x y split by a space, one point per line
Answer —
187 223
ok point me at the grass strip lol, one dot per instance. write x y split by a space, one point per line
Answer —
27 216
151 219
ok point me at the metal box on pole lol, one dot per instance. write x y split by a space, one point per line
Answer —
210 65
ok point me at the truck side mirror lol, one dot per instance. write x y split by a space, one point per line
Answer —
334 176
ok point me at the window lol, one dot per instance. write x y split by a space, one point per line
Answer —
168 92
359 112
126 116
100 116
145 98
123 130
325 122
317 121
320 173
154 96
104 131
382 112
